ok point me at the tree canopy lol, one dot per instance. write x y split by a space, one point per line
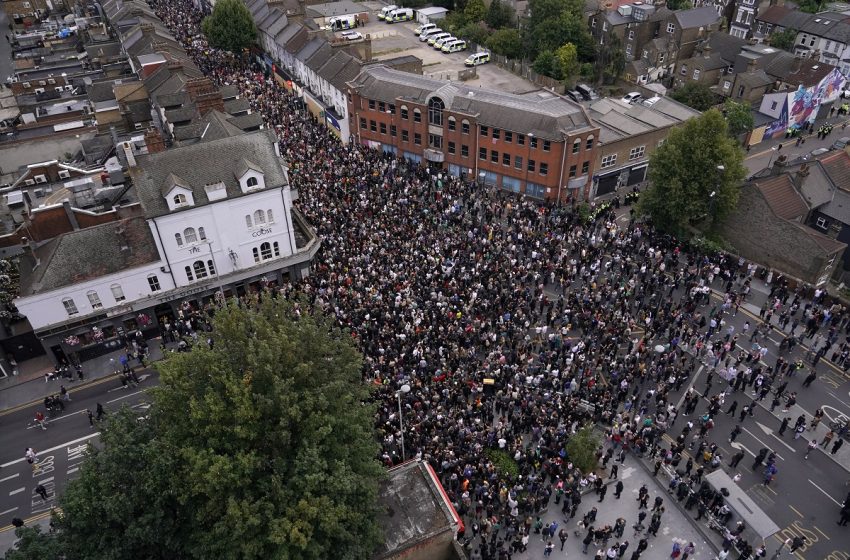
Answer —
259 447
581 449
783 39
506 42
738 116
696 96
230 26
684 172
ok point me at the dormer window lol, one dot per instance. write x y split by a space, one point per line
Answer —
249 175
179 199
252 182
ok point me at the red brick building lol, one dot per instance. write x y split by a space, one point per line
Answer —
539 143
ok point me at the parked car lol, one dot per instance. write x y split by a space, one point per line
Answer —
425 27
574 95
587 92
631 97
841 143
819 151
351 35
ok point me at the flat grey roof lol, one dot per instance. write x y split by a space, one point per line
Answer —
341 8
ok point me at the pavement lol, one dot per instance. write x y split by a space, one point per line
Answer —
6 65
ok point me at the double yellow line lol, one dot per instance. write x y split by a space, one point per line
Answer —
92 383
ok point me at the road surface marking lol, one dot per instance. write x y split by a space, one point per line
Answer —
72 442
125 396
821 532
71 471
52 420
795 511
18 491
10 477
768 431
761 442
825 493
8 511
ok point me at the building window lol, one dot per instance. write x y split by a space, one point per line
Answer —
585 167
696 73
636 153
276 248
94 300
506 159
821 222
482 154
544 168
589 144
153 283
189 235
405 137
464 151
435 111
383 127
256 254
485 131
70 306
671 27
259 217
435 141
404 112
532 142
572 171
393 131
179 239
362 123
577 145
417 115
532 165
269 216
727 84
202 235
496 133
518 162
382 107
417 138
117 292
494 156
179 199
200 269
520 139
372 104
609 161
593 23
373 126
684 70
452 123
452 149
631 34
660 58
629 49
266 251
547 145
509 136
189 276
773 106
464 126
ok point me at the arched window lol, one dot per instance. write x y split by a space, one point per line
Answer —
259 217
266 251
589 145
211 267
189 276
202 234
256 255
404 112
248 222
117 292
435 111
200 269
179 199
577 145
269 216
276 246
452 123
189 235
179 239
417 115
94 300
464 126
252 182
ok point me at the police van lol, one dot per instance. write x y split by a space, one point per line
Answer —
386 10
454 46
425 35
424 28
477 59
401 14
434 38
438 44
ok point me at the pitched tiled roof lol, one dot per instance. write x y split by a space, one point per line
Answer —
697 17
773 14
88 253
837 167
782 197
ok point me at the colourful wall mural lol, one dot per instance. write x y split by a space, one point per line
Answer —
801 106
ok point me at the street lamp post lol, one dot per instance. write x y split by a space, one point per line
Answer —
403 390
773 153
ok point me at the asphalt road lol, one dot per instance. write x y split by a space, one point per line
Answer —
60 448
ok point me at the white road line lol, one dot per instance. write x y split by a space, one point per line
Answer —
71 471
769 432
18 491
125 396
836 398
43 451
8 511
763 443
10 477
825 493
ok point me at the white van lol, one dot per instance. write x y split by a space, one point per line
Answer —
455 46
339 23
425 35
401 14
386 10
477 59
434 38
438 44
425 28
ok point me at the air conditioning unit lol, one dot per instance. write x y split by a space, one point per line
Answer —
40 179
42 83
69 87
58 89
64 174
51 81
26 85
29 182
39 90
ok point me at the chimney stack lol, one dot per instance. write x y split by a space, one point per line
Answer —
154 141
204 95
128 153
800 176
69 212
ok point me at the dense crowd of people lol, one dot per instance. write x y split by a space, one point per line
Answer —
514 322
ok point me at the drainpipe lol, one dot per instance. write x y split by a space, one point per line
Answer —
165 254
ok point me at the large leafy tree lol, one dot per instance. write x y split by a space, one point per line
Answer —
581 449
9 287
684 172
784 39
506 42
230 26
739 116
696 96
555 22
567 57
33 544
499 14
260 447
